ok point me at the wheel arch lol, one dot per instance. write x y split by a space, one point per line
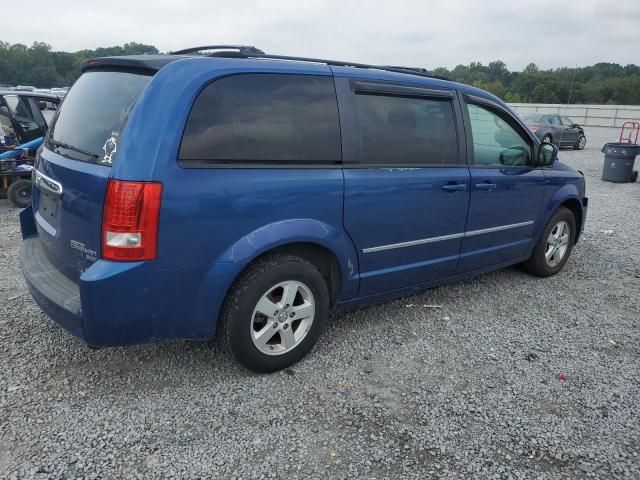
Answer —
566 196
318 255
574 205
323 245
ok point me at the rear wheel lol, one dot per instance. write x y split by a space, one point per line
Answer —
580 143
554 246
274 313
19 193
547 138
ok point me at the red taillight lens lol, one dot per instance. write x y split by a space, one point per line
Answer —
130 220
534 129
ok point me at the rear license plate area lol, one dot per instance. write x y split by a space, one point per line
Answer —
48 206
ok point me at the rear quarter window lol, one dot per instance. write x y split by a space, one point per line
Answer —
265 118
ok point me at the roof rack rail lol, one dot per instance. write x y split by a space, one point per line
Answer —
414 69
253 52
242 49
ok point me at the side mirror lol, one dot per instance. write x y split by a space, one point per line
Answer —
547 154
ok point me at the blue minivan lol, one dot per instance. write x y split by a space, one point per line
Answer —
221 190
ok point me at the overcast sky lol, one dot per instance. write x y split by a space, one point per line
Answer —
425 33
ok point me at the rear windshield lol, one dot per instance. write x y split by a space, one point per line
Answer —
93 115
532 117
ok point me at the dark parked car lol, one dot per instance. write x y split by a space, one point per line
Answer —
262 195
24 116
556 129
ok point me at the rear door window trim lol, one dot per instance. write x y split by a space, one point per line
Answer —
347 88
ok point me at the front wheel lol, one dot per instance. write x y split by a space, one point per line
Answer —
580 143
554 246
274 313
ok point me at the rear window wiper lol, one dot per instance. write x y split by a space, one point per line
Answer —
66 146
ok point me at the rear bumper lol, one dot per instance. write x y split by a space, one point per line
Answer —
55 294
122 303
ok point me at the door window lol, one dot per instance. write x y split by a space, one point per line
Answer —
566 122
26 126
18 107
7 134
272 118
495 142
47 108
399 130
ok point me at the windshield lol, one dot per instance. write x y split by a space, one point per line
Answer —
93 115
532 118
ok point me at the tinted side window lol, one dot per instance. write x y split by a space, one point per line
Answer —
264 117
399 130
495 142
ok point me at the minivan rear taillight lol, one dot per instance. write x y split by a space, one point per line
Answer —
130 220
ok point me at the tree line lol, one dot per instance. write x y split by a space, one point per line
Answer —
40 67
602 83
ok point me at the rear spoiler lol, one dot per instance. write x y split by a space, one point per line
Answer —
151 63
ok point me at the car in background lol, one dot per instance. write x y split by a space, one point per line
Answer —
556 129
59 92
25 116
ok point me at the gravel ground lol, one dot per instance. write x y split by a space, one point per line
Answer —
514 377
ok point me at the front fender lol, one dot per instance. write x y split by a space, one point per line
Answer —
224 271
556 196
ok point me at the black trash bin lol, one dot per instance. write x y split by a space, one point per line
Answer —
618 162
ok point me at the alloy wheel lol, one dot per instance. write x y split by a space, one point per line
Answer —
557 243
582 141
282 318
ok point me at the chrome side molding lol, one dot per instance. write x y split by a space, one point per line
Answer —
442 238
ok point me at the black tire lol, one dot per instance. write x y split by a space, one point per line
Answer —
634 176
547 138
237 312
579 145
19 193
537 263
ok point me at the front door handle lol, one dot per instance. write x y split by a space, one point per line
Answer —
486 186
456 187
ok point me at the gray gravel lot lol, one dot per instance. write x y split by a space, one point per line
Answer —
514 377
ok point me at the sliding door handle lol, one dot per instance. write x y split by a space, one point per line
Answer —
456 187
486 186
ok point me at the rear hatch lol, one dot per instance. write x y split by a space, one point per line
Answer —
71 172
